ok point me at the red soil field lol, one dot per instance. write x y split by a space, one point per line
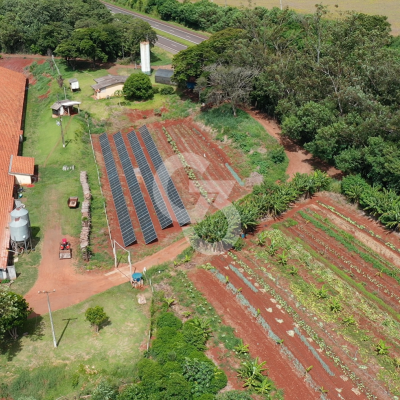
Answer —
234 313
207 161
260 345
214 169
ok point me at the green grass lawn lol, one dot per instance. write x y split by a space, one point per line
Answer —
32 367
251 146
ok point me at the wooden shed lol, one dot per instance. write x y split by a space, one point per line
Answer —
73 84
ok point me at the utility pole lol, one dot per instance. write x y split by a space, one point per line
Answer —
59 123
51 318
65 94
281 3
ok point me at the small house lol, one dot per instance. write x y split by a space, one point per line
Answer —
22 168
164 76
73 84
64 107
106 86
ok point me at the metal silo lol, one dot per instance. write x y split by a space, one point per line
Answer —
22 213
19 230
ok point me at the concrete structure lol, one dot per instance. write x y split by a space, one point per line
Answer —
73 84
107 86
64 107
145 57
12 166
164 76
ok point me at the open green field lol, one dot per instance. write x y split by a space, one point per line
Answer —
390 8
31 366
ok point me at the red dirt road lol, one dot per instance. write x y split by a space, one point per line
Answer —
72 286
300 160
260 344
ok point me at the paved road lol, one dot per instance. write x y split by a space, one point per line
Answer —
167 44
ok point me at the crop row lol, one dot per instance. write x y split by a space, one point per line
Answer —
348 292
379 266
308 329
186 166
283 348
359 226
352 267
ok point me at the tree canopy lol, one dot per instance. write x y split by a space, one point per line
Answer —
333 83
78 28
14 312
138 87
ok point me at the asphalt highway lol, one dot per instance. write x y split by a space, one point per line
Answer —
167 44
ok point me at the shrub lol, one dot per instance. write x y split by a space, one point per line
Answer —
219 381
177 388
149 370
156 89
138 87
96 316
277 155
206 396
167 90
234 395
194 335
104 391
200 374
169 320
170 367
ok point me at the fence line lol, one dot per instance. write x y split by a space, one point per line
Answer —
101 190
54 62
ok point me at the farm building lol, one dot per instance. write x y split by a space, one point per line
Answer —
14 169
106 86
164 76
64 107
73 84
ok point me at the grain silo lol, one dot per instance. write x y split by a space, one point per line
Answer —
20 230
145 57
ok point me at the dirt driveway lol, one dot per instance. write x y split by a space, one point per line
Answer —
300 160
71 286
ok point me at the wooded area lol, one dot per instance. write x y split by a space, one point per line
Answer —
334 85
76 29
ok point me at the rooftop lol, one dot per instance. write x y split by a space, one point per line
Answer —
108 80
72 80
22 165
167 73
12 95
67 103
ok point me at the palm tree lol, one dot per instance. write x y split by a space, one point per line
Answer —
252 370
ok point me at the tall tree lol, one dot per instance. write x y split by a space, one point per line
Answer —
14 312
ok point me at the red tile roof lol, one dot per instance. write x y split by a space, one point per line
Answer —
22 165
12 95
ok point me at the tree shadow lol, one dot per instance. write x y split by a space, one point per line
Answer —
33 329
35 235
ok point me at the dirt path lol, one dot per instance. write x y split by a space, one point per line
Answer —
300 160
73 287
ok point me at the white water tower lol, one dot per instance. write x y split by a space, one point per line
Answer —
145 57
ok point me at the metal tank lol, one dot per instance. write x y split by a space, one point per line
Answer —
19 230
20 213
